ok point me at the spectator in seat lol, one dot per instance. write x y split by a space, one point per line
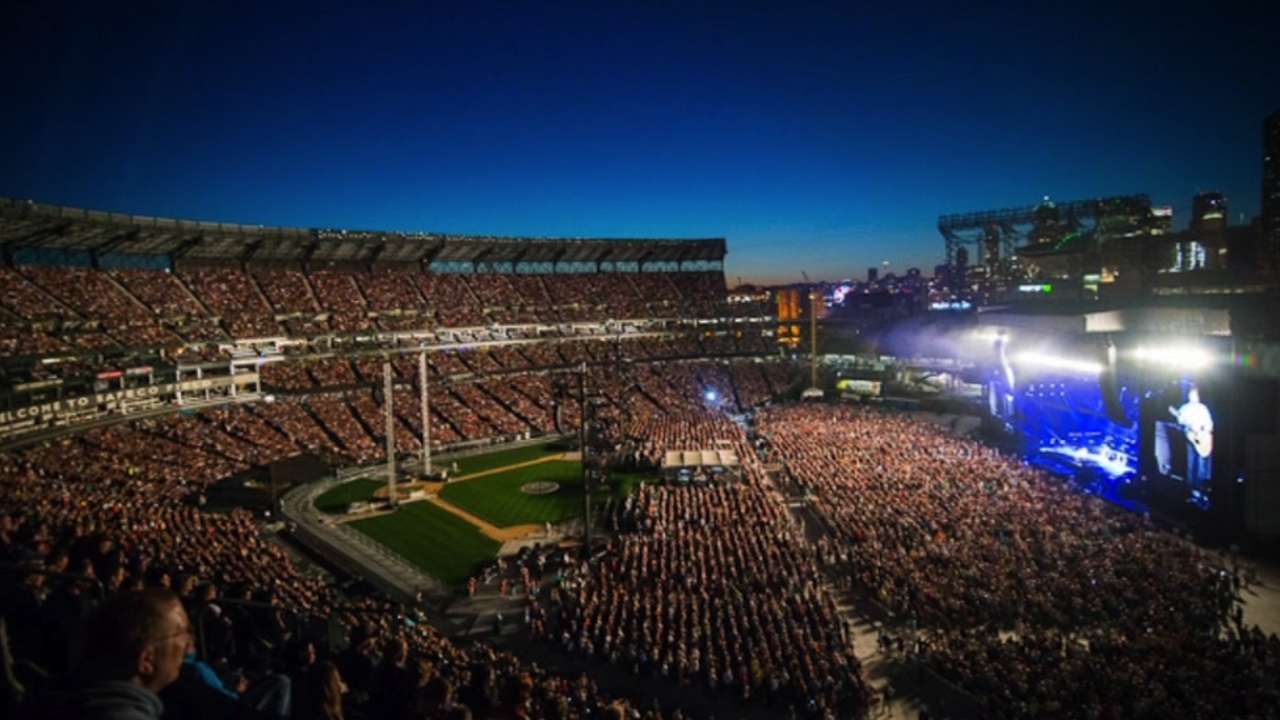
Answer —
134 647
320 693
396 679
201 693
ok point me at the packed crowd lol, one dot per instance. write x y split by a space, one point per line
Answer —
501 396
337 416
343 371
1042 601
288 291
120 508
1037 600
714 586
389 290
232 296
346 424
274 641
66 309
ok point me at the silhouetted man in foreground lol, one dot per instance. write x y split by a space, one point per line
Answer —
134 646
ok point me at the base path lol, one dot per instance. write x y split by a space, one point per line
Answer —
503 535
527 463
515 532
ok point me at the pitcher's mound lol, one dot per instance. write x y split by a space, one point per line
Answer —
541 487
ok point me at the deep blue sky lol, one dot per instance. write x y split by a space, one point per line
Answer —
814 137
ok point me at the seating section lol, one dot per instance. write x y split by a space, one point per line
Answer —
1017 588
389 290
349 426
453 300
124 506
353 440
288 291
232 296
67 308
738 597
25 299
670 600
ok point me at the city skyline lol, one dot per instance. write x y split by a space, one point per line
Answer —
816 140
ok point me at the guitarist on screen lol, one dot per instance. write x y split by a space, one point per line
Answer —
1197 425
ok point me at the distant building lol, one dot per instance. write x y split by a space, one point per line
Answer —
1159 253
1204 245
789 304
1162 220
872 274
1271 190
1208 212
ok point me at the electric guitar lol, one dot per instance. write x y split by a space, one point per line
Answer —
1200 438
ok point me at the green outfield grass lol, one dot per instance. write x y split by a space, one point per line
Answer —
501 458
335 500
448 547
444 545
497 498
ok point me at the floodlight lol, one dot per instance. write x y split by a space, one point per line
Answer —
990 334
710 395
1181 356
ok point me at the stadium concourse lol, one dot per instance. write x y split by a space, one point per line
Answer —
997 592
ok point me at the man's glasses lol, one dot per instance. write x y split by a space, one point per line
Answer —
186 632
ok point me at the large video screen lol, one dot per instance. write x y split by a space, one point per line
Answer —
1070 425
1162 431
1181 417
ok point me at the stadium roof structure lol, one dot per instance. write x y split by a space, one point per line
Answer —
1008 230
96 233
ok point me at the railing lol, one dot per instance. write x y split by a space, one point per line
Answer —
351 550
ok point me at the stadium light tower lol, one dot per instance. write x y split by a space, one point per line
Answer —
583 409
426 414
814 298
391 435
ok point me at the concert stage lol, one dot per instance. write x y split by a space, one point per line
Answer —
1159 410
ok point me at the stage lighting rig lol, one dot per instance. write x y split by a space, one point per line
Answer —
1185 357
1055 362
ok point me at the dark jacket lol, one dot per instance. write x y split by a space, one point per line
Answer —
110 700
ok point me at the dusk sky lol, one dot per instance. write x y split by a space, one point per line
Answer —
819 138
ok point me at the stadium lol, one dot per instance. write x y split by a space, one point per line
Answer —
639 361
531 477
